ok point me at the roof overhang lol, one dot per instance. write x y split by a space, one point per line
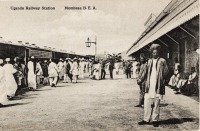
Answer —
180 15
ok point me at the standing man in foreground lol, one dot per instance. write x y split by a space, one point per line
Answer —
155 88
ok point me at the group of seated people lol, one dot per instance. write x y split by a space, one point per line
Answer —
183 84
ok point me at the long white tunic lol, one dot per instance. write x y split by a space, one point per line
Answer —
97 71
39 68
3 93
11 85
53 70
74 68
61 68
153 79
31 75
82 66
117 66
134 68
81 69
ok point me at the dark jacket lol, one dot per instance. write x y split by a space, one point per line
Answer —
111 65
103 65
45 69
67 68
162 71
128 66
142 76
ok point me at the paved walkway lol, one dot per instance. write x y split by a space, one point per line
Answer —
94 105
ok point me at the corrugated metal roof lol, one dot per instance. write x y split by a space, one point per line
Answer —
32 46
184 11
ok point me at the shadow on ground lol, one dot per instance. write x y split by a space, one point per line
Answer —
15 104
177 121
163 104
43 90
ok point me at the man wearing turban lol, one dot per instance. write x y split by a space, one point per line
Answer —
155 88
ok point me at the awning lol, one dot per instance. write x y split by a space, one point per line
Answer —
170 22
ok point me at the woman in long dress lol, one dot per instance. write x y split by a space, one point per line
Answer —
11 85
74 70
3 93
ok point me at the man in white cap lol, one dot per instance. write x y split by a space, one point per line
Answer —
19 75
3 91
90 66
61 68
134 67
81 68
45 73
157 72
53 73
39 72
86 66
32 74
67 74
11 85
74 69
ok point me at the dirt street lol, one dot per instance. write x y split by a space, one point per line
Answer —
94 105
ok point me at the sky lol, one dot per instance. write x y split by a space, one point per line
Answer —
117 24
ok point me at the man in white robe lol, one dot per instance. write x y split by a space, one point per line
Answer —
53 73
81 68
11 85
134 67
39 72
154 88
97 71
60 66
31 74
3 93
117 67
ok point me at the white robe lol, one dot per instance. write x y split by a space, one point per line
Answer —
74 68
134 68
31 75
81 69
53 70
11 85
60 66
3 93
97 71
39 68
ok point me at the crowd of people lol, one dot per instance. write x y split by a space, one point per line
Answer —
183 83
16 77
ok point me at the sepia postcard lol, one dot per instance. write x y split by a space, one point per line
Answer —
99 65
